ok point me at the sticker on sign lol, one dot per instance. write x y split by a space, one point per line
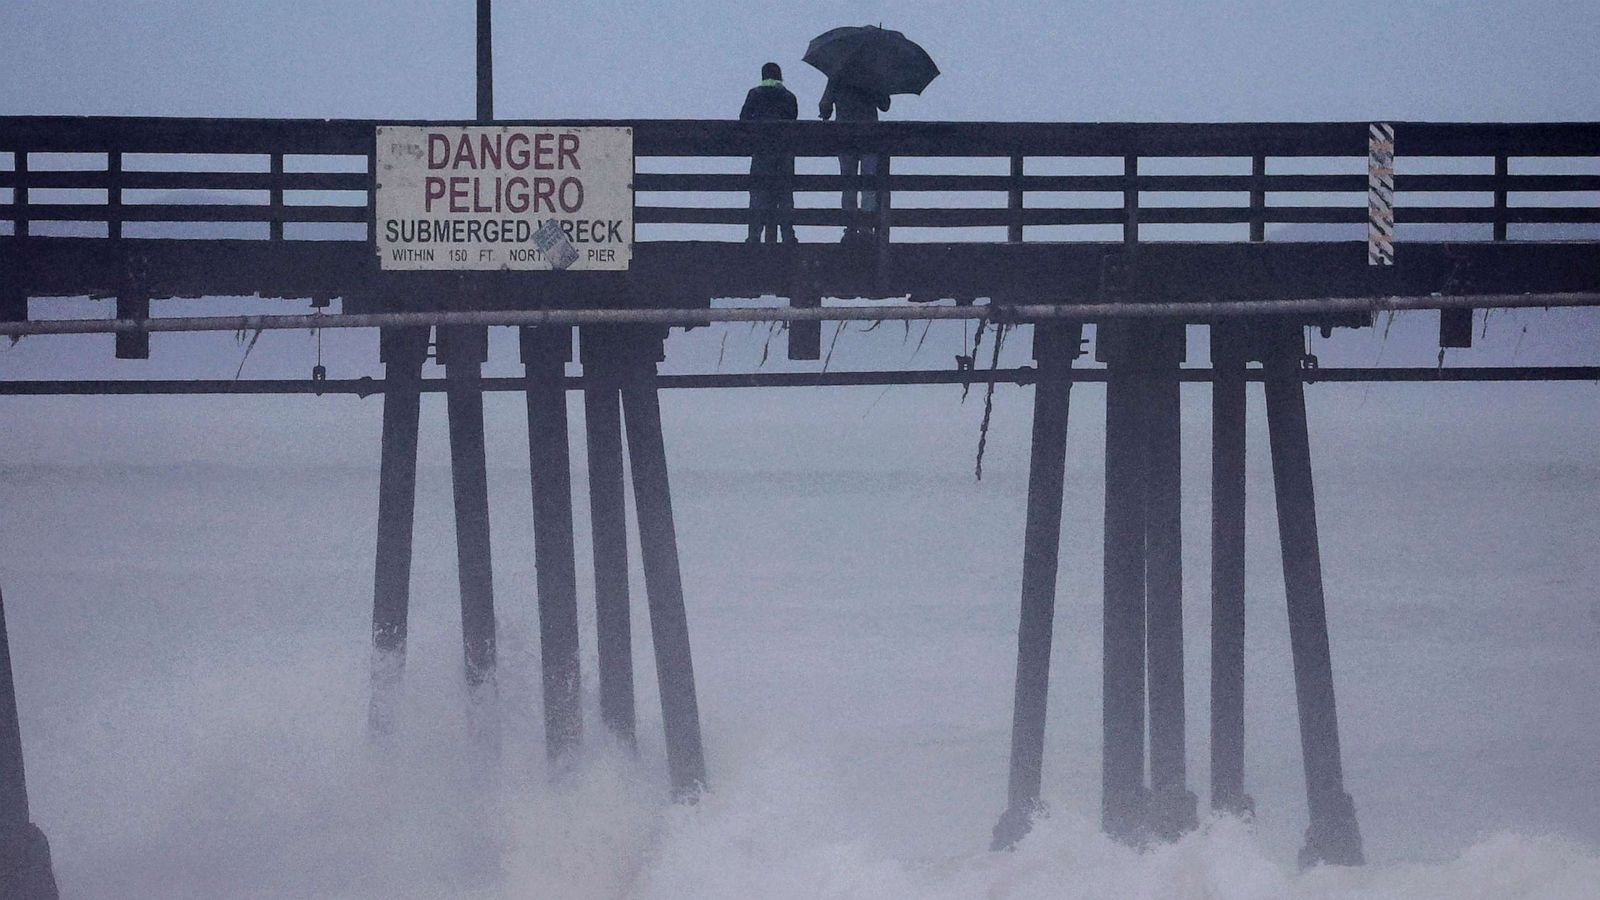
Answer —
552 241
496 197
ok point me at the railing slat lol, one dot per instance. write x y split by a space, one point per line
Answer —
1130 200
144 212
1014 201
275 199
114 195
1456 215
1258 198
196 181
21 209
1502 168
662 137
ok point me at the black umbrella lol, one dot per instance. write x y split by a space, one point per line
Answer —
873 59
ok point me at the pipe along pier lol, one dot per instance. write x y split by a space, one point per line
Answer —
291 209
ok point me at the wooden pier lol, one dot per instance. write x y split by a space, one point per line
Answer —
297 201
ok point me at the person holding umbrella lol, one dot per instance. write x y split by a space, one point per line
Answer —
865 65
853 104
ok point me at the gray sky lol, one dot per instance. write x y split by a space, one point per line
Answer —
1149 60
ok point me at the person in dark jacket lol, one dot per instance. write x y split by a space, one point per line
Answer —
848 103
773 205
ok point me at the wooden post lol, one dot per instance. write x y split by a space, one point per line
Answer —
1130 200
402 351
1333 836
1014 202
25 869
20 194
1227 569
805 338
608 516
275 198
133 344
545 352
881 226
658 542
1054 348
1258 198
1172 806
1502 175
463 349
1122 767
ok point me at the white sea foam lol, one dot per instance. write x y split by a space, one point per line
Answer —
192 670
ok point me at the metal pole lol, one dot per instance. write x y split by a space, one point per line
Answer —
25 869
544 355
1172 807
658 542
1227 570
1333 836
463 350
1123 695
1054 349
402 352
364 387
485 62
608 516
1192 311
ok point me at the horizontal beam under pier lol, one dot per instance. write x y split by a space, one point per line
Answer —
693 273
1196 312
1024 375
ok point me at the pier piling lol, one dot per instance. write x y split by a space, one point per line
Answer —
402 352
1227 570
608 515
1333 836
1172 807
1124 795
545 352
1054 348
658 542
463 351
25 869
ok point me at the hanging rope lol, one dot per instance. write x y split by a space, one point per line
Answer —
970 361
988 398
831 344
239 336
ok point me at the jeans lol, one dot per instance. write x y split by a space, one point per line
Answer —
865 165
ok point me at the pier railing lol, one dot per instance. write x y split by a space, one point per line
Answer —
119 178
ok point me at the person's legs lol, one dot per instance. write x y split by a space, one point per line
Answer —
869 199
849 165
761 205
764 196
784 205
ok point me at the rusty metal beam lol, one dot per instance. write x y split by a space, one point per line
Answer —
1020 312
1024 375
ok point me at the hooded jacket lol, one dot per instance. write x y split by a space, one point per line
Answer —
770 101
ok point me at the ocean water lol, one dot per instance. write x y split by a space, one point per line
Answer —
188 588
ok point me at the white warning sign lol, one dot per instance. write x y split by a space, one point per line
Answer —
504 197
